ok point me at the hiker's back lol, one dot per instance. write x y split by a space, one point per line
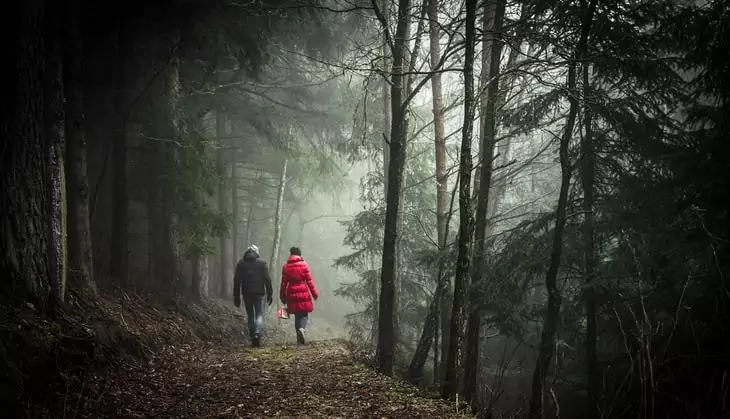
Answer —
253 274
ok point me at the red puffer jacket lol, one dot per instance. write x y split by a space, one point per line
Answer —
296 285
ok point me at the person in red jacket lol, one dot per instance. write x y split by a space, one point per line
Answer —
297 290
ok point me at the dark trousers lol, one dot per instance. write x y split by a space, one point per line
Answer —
300 320
254 313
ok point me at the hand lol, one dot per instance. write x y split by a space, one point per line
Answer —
269 299
315 297
237 302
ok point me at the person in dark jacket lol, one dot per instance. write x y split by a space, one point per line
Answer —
253 282
297 290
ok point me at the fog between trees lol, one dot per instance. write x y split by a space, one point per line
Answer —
519 204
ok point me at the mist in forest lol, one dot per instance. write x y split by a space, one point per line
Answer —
518 204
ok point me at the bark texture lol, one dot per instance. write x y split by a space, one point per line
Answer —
32 241
397 146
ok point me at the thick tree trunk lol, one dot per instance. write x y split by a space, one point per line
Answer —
408 81
397 146
77 183
589 252
443 286
547 337
119 255
225 283
32 243
54 133
492 25
466 224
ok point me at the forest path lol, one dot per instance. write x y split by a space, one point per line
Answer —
319 379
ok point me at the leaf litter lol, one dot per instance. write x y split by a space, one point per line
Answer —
194 361
279 381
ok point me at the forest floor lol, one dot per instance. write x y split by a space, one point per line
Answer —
133 355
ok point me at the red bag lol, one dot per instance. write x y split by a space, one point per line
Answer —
281 312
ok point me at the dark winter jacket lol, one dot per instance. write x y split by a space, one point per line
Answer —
297 287
251 277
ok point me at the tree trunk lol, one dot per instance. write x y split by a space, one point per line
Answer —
204 276
54 133
234 211
399 260
119 255
196 263
249 216
466 225
547 337
436 348
398 136
274 259
386 68
32 243
77 183
226 267
163 185
508 82
420 356
589 254
492 25
496 195
443 287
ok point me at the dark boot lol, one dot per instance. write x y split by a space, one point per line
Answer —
256 341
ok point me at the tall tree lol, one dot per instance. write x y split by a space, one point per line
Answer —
226 268
54 133
119 255
235 222
587 175
163 184
281 187
550 324
492 51
442 296
396 165
466 221
80 264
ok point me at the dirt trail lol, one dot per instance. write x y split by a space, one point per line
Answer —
319 379
146 355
